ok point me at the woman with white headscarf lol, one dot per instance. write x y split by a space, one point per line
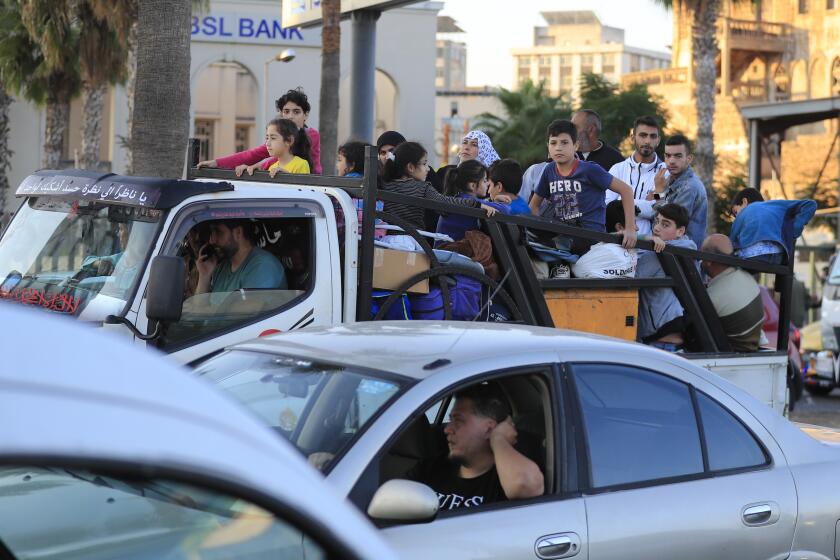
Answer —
477 145
474 145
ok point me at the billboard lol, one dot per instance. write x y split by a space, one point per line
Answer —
307 13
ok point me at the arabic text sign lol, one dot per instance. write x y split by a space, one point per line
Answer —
86 188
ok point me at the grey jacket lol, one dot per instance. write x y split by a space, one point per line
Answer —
688 191
657 306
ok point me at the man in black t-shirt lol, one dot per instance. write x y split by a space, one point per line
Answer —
482 466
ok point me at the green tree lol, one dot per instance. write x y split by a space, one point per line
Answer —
520 132
619 108
103 51
39 62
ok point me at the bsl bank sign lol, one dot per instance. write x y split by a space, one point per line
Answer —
228 27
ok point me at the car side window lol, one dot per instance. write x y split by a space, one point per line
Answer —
276 271
728 442
639 425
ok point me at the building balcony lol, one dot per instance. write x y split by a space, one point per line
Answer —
757 36
656 77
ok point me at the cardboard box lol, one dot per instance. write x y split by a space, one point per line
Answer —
391 268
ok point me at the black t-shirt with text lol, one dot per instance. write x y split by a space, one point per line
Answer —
454 492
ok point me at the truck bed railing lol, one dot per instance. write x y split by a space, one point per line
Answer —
521 287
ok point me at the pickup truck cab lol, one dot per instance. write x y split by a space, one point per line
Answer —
120 252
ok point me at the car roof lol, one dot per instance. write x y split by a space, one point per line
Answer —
411 348
71 391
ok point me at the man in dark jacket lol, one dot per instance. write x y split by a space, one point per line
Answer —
590 147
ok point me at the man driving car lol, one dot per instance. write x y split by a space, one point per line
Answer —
482 465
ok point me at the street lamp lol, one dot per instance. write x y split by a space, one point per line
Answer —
286 55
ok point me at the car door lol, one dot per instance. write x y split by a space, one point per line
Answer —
553 524
675 474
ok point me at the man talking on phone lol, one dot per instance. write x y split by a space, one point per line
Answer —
231 261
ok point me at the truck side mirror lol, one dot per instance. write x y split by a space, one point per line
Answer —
165 291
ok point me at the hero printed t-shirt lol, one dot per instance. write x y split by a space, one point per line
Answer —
577 198
454 492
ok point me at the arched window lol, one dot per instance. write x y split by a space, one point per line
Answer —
225 109
835 76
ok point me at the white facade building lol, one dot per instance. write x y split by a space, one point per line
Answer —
575 43
232 100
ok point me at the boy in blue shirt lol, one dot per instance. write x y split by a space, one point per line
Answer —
505 181
767 231
571 191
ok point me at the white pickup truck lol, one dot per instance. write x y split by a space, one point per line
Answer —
118 251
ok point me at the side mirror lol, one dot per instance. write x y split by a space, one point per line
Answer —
404 500
165 292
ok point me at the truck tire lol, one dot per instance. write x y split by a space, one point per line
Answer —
818 391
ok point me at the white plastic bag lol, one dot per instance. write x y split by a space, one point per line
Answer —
606 260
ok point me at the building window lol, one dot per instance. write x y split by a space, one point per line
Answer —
524 61
545 68
830 4
242 140
608 64
635 63
438 72
205 130
440 52
803 6
587 63
835 77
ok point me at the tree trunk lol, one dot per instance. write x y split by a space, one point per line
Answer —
94 101
705 51
330 71
161 118
5 153
130 81
57 117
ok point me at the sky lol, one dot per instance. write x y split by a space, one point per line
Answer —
494 27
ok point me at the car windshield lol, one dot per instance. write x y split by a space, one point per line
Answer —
320 408
81 258
56 513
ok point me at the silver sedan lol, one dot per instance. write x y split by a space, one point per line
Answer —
644 455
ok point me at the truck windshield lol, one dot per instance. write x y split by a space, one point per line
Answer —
81 258
320 408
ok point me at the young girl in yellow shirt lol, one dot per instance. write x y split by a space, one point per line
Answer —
283 140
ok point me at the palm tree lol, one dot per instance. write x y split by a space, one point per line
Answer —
102 51
31 68
5 151
520 134
704 49
160 121
330 73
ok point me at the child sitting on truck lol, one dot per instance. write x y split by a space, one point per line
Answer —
468 180
661 321
294 105
405 174
573 190
351 159
505 182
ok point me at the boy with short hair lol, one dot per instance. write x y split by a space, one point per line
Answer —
571 191
505 181
767 231
661 321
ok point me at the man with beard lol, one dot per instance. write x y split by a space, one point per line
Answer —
231 261
640 170
482 466
590 146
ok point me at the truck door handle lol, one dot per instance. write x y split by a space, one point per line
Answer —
561 545
755 515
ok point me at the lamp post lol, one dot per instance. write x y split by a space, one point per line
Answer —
287 55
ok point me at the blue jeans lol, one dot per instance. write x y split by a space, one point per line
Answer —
667 346
771 258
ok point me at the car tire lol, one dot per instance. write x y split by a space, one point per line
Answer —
818 391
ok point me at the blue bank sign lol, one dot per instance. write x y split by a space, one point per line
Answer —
249 28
